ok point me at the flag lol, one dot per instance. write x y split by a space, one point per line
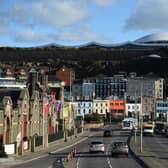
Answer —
57 106
53 94
46 105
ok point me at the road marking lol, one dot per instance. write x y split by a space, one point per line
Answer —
77 164
44 155
58 150
108 160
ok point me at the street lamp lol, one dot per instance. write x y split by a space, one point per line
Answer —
62 111
62 84
141 118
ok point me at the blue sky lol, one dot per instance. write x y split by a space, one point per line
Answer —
27 23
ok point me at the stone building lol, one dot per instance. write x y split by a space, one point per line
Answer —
31 118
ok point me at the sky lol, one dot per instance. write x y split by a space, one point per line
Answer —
26 23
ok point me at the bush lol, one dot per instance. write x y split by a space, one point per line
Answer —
93 118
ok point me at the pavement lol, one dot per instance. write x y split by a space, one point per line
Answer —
148 157
53 147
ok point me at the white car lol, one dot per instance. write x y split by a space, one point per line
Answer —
96 146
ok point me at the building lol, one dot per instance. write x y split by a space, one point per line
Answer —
101 107
77 90
159 89
133 110
105 87
162 110
117 108
148 108
140 86
84 107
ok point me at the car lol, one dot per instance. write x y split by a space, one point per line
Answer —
119 148
107 133
160 128
96 146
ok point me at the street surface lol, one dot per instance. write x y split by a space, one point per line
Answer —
155 150
83 158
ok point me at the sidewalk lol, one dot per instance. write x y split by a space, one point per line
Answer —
147 158
40 152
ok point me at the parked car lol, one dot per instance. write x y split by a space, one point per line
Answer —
107 133
119 148
160 128
96 146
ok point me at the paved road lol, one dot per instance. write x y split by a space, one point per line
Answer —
84 159
155 150
99 160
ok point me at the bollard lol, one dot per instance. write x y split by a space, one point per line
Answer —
74 152
68 157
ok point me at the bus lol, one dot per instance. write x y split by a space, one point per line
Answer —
148 128
129 123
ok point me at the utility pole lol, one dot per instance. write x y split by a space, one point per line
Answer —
141 135
141 141
135 118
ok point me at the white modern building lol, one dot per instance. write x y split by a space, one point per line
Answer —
133 109
84 107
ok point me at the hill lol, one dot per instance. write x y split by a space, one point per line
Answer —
93 59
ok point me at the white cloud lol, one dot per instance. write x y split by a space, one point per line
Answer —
149 15
55 13
29 36
49 21
104 2
82 33
59 13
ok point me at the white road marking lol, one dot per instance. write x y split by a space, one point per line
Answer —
77 164
58 150
50 166
108 160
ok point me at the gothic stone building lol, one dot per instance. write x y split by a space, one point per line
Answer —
25 122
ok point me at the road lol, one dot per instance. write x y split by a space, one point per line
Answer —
155 151
99 160
83 158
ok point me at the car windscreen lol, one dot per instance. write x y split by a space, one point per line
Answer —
120 144
126 123
148 127
96 143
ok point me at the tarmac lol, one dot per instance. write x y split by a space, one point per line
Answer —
145 158
43 152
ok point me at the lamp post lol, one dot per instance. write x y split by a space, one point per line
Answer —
141 119
62 84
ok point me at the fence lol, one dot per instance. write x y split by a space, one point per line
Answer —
54 137
38 141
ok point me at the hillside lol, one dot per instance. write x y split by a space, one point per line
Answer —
92 59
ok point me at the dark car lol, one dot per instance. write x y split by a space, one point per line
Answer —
107 133
160 128
119 148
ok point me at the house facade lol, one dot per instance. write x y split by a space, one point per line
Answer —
117 108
